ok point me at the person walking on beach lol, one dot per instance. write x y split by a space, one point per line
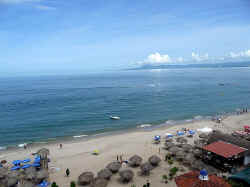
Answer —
60 146
117 158
67 172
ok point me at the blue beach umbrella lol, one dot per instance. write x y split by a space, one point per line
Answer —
37 159
180 133
26 160
191 132
44 184
168 135
17 162
157 138
26 166
15 168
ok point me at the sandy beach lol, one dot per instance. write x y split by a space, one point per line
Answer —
77 156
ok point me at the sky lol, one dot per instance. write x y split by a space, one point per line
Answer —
78 36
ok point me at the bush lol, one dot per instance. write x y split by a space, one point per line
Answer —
144 185
54 184
72 184
170 162
174 170
167 157
165 178
235 183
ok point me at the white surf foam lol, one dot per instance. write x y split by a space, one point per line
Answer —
144 126
22 145
79 136
3 148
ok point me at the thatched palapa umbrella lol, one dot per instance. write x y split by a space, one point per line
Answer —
43 153
180 155
173 150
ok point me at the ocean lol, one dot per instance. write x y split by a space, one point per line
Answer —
47 108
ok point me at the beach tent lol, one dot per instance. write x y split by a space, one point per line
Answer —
26 166
205 130
26 160
17 162
157 138
180 133
168 135
44 184
15 168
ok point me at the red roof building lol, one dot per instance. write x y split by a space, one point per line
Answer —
224 149
191 179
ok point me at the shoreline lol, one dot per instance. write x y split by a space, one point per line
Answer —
139 128
78 155
142 127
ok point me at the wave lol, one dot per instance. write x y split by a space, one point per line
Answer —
22 145
198 117
144 126
3 148
170 122
79 136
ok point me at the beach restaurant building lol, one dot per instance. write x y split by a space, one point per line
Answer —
224 155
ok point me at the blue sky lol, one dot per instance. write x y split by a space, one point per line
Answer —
77 36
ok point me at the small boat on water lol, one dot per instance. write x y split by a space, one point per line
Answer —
114 117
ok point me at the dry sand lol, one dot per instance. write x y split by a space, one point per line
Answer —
78 158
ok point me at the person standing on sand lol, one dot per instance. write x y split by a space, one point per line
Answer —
117 158
67 172
60 146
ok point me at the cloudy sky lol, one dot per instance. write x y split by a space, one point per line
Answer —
58 36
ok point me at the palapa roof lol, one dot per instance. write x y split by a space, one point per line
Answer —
224 149
191 179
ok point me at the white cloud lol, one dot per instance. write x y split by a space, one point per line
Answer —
179 59
157 58
197 57
43 7
242 54
17 1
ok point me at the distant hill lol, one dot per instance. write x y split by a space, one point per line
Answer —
215 65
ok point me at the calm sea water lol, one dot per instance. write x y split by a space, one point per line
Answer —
40 108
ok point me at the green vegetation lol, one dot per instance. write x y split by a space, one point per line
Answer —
133 185
165 178
173 172
72 184
170 161
54 184
235 183
167 157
